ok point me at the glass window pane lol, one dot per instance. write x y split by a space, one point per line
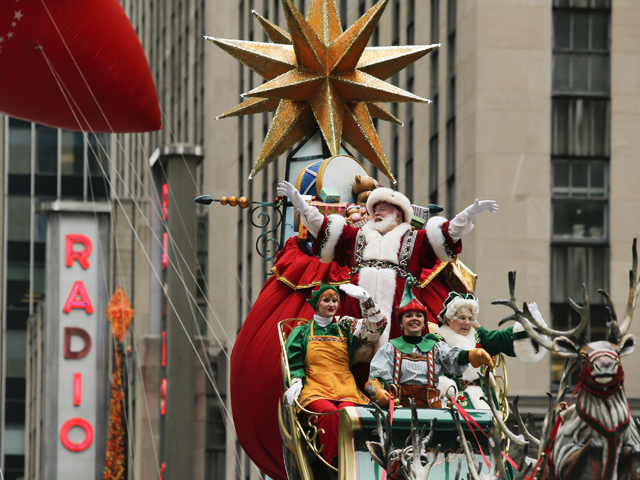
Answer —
19 218
597 175
600 116
15 439
561 30
579 175
560 174
580 32
72 153
98 151
46 149
599 73
17 293
561 72
578 219
580 72
16 353
600 31
19 146
560 126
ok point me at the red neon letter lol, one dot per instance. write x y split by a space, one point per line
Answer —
79 332
78 298
165 201
83 255
165 260
88 434
164 349
163 397
77 389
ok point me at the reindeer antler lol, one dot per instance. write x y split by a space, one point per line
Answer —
466 446
634 290
521 425
617 330
541 333
517 439
416 452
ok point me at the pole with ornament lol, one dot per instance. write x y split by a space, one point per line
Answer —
119 314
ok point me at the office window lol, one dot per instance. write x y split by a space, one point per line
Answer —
580 149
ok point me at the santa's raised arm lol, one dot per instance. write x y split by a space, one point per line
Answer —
384 252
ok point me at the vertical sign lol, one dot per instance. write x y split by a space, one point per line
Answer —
77 378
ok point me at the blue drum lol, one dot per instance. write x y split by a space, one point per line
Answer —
306 183
338 172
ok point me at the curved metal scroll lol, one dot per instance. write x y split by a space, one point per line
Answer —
270 218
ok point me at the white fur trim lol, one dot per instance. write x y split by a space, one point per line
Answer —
444 385
383 247
467 342
338 223
525 348
436 238
475 393
383 194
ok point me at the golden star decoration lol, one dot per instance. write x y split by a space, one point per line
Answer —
319 75
119 313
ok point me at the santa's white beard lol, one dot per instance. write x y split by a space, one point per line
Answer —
385 225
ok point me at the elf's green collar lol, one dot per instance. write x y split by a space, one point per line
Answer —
427 343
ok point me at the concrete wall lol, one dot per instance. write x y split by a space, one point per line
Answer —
625 170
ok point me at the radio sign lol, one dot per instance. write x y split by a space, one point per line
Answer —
77 290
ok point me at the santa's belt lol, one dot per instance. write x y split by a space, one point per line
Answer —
468 383
381 265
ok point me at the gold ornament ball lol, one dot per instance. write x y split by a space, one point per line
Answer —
243 202
233 201
224 200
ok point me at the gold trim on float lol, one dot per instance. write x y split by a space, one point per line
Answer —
294 442
461 273
349 423
433 274
293 286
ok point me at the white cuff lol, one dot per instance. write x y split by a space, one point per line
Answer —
460 226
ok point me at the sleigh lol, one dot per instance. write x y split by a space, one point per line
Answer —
362 427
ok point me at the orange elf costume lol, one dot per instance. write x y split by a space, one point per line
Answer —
319 355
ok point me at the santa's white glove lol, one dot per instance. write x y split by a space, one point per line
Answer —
480 206
293 392
288 190
355 291
535 313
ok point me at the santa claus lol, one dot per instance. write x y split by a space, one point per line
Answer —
387 250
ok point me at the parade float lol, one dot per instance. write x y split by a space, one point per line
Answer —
325 87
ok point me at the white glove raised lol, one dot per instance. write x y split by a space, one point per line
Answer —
535 313
287 190
355 291
293 392
480 206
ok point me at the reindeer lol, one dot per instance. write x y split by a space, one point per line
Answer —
595 438
411 462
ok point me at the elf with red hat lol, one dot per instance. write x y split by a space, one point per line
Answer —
410 365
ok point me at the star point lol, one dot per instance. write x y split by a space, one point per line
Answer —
318 75
18 15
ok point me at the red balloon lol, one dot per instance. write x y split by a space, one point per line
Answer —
75 64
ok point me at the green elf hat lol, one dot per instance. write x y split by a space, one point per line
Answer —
409 302
463 298
315 294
